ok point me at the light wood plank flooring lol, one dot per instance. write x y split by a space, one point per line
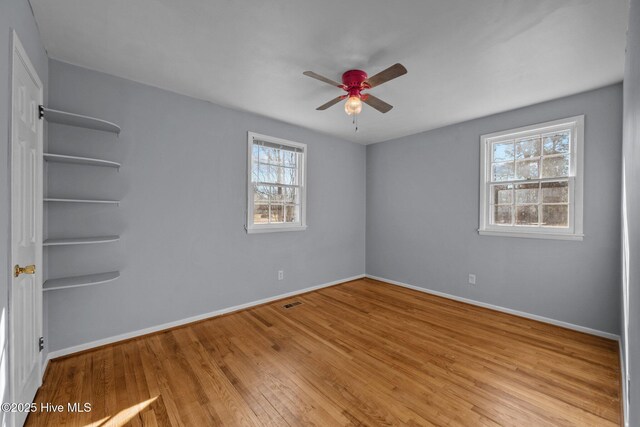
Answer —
359 353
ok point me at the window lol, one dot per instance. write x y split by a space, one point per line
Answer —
276 184
531 181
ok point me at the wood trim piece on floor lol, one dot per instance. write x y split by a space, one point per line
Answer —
501 309
182 322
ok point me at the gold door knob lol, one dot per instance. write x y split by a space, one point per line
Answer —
27 269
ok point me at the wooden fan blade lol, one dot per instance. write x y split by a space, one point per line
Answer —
377 103
322 78
384 76
331 103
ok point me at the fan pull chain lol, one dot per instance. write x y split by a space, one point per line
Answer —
355 121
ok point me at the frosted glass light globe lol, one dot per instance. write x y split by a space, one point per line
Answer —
353 105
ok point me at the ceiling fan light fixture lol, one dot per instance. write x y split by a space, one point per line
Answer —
353 105
356 81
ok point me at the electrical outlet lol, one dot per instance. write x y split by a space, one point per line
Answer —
280 274
472 279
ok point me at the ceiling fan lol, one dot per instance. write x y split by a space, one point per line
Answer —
356 81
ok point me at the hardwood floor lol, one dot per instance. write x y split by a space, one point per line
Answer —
359 353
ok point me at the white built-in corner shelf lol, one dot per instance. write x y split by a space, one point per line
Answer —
63 158
104 202
80 241
72 119
78 281
79 120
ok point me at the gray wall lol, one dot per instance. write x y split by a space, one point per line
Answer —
422 219
14 14
184 250
631 159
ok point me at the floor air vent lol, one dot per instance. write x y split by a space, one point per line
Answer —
292 304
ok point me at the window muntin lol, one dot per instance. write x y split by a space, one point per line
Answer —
276 184
531 179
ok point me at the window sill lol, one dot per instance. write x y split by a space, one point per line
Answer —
257 230
529 235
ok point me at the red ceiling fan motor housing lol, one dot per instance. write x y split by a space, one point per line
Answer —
355 81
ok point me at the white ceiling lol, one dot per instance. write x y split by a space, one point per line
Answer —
466 58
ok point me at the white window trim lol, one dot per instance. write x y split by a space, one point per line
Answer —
252 228
575 229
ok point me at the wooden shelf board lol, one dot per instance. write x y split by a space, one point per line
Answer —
80 281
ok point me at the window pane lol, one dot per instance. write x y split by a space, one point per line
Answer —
557 143
291 213
277 195
290 158
555 215
265 153
254 172
261 193
290 176
555 192
271 156
502 171
264 173
270 173
277 157
527 215
502 151
277 213
528 169
555 166
291 195
502 214
526 193
529 147
502 194
260 214
281 175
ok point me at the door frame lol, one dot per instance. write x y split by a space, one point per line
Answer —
19 53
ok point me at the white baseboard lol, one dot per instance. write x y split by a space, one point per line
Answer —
110 340
502 309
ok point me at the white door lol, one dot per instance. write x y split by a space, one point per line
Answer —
25 292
